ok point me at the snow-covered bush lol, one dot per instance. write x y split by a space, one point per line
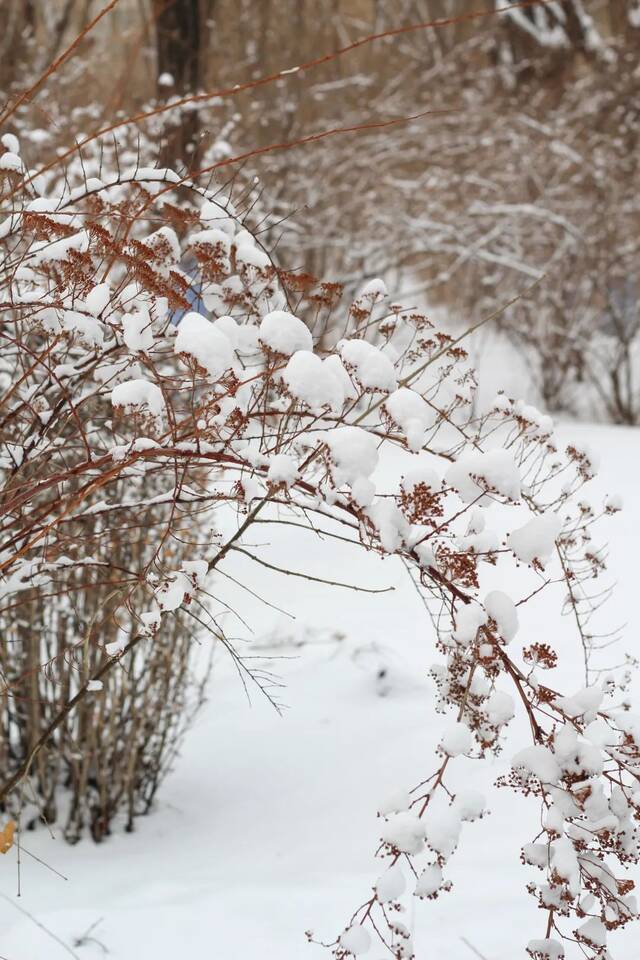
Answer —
109 754
165 389
124 407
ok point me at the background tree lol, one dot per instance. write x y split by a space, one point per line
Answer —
181 27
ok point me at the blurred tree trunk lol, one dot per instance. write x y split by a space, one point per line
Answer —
181 27
17 25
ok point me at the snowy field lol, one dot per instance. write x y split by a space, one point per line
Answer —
266 826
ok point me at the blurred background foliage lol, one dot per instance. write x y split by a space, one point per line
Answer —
526 170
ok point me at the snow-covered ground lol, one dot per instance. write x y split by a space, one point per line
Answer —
266 826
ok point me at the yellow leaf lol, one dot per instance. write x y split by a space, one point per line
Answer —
6 836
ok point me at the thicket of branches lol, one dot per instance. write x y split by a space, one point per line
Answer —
553 82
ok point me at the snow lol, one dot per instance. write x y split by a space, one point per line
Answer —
372 368
44 251
10 142
374 290
356 940
391 885
282 469
82 327
547 949
98 299
470 805
197 570
138 395
593 931
336 366
600 733
500 708
575 755
199 340
613 503
456 739
584 703
442 831
538 761
137 332
248 253
469 619
565 863
11 162
215 237
164 241
212 212
422 473
116 647
536 539
537 854
404 831
173 592
313 382
502 609
480 477
170 595
266 825
242 337
354 454
390 524
429 881
412 414
283 333
363 491
396 802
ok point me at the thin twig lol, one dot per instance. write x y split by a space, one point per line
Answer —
41 926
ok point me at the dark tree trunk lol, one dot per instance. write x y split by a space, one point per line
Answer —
180 27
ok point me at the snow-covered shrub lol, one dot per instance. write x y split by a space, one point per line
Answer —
109 754
125 409
161 375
